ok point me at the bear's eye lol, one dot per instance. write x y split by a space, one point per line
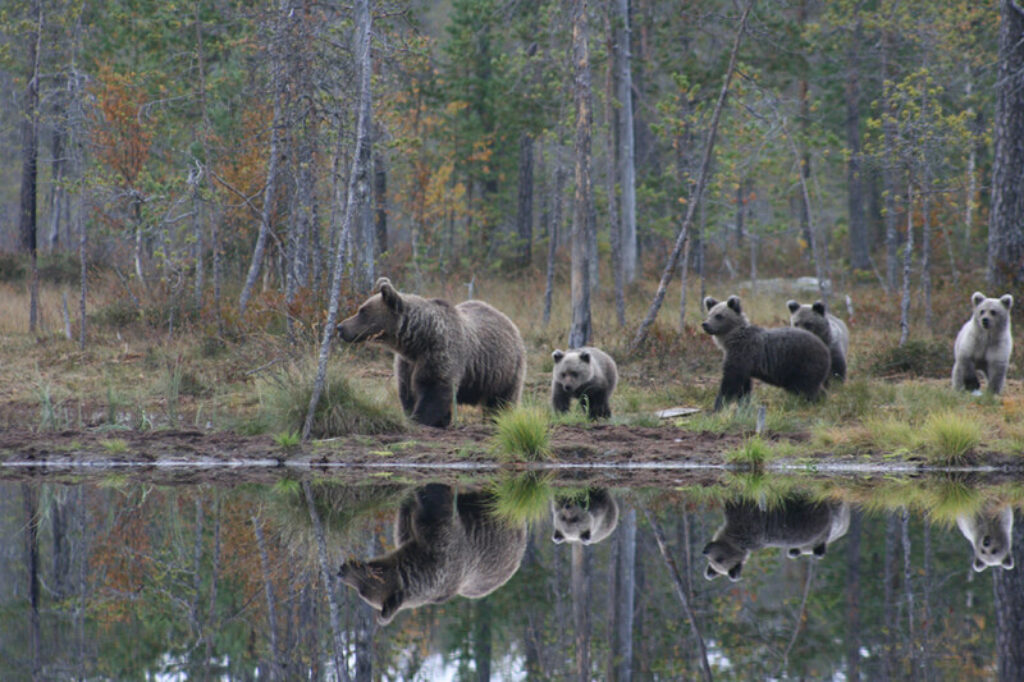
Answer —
718 316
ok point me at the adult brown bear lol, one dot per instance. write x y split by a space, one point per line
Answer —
470 352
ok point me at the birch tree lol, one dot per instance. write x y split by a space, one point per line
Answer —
583 211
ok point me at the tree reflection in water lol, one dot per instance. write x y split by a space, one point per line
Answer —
117 580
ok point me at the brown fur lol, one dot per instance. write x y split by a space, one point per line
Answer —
448 545
470 352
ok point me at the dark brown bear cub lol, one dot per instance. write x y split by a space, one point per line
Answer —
470 352
791 358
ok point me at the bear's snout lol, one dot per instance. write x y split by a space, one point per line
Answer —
706 327
985 322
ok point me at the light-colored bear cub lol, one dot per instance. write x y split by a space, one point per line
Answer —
984 344
991 536
587 374
585 520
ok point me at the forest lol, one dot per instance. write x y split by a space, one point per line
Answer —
226 173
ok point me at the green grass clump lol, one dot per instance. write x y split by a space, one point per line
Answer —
920 358
524 433
345 407
524 498
951 436
288 439
114 446
753 453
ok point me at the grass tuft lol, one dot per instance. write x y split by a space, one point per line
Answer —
114 446
753 453
345 407
524 433
522 499
951 436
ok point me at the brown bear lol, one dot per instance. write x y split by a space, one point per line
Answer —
990 533
585 518
470 353
588 374
797 524
791 358
816 319
984 344
448 544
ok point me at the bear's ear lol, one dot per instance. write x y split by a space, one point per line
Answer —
557 355
734 572
819 307
389 294
390 607
792 305
585 536
710 573
819 550
709 303
976 298
1008 562
793 552
585 357
1007 301
979 565
734 303
557 537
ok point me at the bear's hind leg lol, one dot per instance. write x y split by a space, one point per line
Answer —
403 377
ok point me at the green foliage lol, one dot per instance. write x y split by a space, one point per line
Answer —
917 357
345 406
951 436
754 453
522 498
114 446
288 439
523 433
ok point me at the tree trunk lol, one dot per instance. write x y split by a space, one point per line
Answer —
1008 588
276 670
853 597
683 237
892 264
908 259
860 247
28 228
620 668
380 198
524 205
327 577
626 148
582 222
30 504
277 129
357 196
482 639
556 221
1006 218
580 583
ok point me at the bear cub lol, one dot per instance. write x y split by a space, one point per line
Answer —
470 353
797 524
984 344
816 319
991 536
448 544
791 358
587 374
586 520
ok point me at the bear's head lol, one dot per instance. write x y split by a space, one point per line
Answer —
810 317
992 550
724 558
723 317
377 584
377 319
577 520
991 314
573 368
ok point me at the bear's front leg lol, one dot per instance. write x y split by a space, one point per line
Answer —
560 398
965 377
403 377
736 385
597 405
996 376
433 402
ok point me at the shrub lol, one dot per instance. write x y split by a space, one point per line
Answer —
915 358
951 436
523 432
753 453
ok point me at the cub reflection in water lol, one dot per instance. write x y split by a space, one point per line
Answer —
991 535
586 518
797 524
448 544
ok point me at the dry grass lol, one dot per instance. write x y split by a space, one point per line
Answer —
137 372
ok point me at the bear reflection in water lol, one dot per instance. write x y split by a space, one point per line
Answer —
797 524
991 536
448 544
586 518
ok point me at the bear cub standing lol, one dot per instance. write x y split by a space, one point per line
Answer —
585 520
470 352
788 357
588 374
984 344
448 545
816 319
991 536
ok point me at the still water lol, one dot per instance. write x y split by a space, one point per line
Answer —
511 578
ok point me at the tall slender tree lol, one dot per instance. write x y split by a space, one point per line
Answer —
583 226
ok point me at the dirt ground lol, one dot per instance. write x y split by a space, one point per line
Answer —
599 454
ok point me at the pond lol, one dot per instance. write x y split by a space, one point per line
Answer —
517 576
